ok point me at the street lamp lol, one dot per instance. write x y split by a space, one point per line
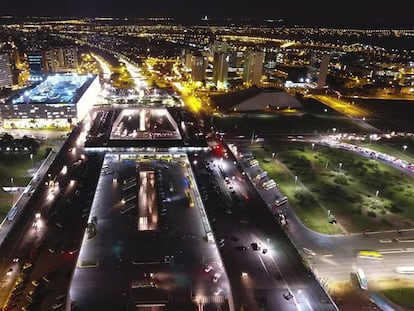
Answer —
334 130
296 179
273 155
340 165
376 193
313 146
405 147
31 158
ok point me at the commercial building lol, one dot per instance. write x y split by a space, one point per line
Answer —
58 102
36 63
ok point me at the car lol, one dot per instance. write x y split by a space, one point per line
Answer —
57 305
27 265
35 283
59 297
218 291
216 277
16 259
255 246
208 269
9 272
50 276
242 248
221 243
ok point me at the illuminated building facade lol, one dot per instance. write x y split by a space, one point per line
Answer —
8 76
61 59
198 71
323 70
57 102
220 70
36 65
253 67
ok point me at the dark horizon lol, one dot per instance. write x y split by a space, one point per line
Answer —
349 14
277 22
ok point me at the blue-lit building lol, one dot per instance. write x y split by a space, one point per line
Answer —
58 102
36 66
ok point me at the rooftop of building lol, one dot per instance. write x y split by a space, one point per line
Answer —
255 99
54 89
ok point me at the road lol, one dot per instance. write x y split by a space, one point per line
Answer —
275 280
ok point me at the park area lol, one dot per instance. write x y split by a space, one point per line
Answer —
336 191
16 166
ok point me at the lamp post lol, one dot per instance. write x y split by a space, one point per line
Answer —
313 146
12 182
377 193
405 147
31 158
273 155
340 165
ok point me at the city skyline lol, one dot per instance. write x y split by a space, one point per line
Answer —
304 13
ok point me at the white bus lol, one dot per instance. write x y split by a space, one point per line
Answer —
269 184
281 201
261 175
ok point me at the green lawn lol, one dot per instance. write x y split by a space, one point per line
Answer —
402 296
359 193
13 168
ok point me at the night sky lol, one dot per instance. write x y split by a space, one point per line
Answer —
351 12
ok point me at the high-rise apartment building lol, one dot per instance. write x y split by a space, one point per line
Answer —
220 70
61 59
198 70
9 58
253 67
323 70
7 78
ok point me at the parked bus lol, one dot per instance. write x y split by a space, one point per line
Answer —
190 198
190 182
253 162
361 279
261 175
370 255
269 184
281 201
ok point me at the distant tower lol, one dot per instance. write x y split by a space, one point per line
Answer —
253 67
220 70
323 71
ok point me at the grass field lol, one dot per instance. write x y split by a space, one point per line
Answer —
359 193
13 169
